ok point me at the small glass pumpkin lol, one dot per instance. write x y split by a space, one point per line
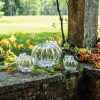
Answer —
70 63
25 63
47 54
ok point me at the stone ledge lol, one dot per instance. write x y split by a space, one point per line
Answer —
90 69
16 81
19 86
91 82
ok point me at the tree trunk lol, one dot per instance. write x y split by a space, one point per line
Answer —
82 23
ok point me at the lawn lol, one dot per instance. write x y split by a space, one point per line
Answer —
34 24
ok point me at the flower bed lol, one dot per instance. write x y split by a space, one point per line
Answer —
86 55
15 43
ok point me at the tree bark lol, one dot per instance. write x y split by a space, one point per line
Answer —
82 22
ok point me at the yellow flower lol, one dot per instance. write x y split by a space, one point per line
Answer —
31 47
9 52
9 56
27 41
1 50
20 46
12 39
8 45
5 42
15 45
10 69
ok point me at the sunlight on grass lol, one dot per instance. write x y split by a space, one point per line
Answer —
30 24
33 24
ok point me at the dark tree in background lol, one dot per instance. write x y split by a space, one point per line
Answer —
6 7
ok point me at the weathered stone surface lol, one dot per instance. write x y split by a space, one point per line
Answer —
83 21
20 86
91 82
12 82
90 69
73 86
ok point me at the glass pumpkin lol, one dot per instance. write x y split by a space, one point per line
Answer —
47 54
70 63
25 63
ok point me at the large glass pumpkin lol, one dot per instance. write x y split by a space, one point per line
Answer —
25 63
47 54
70 63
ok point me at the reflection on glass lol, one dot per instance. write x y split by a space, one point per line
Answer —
70 63
25 63
47 54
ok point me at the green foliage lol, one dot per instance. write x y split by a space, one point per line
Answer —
32 7
1 7
41 70
28 39
38 71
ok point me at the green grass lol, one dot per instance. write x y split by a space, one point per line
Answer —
35 24
40 37
37 38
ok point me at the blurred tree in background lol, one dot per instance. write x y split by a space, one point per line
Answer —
32 7
1 6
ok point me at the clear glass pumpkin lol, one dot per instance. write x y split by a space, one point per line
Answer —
25 63
70 63
47 54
